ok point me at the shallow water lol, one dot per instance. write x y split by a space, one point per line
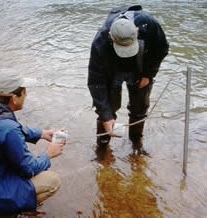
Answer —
51 40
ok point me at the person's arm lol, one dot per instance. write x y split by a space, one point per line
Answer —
32 135
157 49
162 45
21 159
156 44
98 80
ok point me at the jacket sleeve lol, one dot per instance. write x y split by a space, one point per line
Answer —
32 134
20 158
157 50
156 46
98 80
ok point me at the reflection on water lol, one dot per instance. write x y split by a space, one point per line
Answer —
51 40
122 195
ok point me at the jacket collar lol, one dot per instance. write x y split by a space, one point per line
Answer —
6 113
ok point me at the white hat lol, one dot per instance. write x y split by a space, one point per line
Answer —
124 35
10 80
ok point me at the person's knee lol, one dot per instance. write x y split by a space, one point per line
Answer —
46 181
53 181
46 184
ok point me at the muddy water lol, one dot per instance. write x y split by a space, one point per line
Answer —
51 40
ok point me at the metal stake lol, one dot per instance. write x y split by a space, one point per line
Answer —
187 111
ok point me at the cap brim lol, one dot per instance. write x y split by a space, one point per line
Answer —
28 83
126 51
23 83
5 94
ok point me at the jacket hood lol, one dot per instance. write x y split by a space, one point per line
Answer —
6 113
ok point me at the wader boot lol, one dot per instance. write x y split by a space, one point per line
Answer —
135 135
102 140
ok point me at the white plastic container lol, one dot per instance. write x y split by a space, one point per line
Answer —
60 136
119 130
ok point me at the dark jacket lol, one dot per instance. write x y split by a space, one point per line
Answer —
17 165
104 63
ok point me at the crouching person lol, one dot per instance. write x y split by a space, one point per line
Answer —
24 179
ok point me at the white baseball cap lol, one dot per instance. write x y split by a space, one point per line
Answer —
125 37
10 80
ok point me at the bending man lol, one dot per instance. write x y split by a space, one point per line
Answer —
129 47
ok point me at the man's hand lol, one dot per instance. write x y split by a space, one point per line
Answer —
143 82
54 149
47 134
108 125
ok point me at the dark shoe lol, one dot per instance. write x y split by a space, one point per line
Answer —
135 135
135 131
104 155
102 140
138 148
36 214
101 152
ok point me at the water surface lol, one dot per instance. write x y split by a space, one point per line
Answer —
51 40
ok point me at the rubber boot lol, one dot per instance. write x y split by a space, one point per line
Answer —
135 135
102 140
135 131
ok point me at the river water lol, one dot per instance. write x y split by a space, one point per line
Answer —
51 40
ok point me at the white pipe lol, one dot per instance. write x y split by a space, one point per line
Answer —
187 112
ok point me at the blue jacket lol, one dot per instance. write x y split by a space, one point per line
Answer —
104 63
17 164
